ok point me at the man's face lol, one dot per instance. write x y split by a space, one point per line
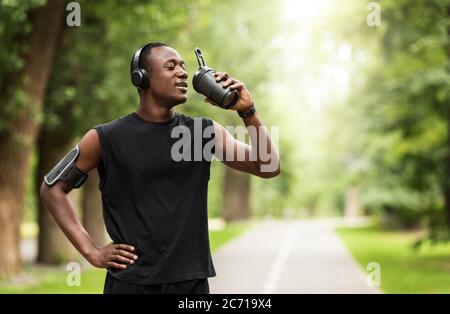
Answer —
168 77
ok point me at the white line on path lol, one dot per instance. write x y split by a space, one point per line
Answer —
276 270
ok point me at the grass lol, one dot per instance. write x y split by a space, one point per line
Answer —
219 237
38 279
403 270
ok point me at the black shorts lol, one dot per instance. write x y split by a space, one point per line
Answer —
116 286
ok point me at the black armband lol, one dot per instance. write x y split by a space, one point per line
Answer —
67 171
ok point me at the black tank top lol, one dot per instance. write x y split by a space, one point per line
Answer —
155 203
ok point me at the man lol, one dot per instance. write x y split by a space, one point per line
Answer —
155 207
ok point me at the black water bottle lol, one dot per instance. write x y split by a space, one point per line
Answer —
204 82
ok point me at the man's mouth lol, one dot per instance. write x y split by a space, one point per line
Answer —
182 86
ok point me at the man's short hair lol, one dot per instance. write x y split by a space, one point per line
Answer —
146 53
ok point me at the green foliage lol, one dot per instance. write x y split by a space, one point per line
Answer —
407 107
14 25
91 75
393 125
13 22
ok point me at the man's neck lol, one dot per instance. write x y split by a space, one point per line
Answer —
151 110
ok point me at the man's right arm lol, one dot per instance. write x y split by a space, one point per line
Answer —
55 199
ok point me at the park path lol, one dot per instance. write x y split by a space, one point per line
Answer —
290 256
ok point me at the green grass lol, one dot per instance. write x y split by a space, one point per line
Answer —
403 270
38 279
219 237
53 280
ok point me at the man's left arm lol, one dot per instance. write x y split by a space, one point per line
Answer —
260 158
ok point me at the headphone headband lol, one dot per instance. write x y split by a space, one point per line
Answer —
139 76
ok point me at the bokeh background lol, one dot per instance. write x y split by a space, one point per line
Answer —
361 108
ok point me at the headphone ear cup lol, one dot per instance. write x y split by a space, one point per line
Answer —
145 83
136 78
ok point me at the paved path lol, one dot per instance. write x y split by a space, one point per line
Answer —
288 257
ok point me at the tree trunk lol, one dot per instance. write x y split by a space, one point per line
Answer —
446 185
447 169
17 139
54 141
236 196
351 209
92 209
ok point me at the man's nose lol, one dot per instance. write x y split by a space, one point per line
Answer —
182 73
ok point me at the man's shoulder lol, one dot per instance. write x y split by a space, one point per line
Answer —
188 119
113 124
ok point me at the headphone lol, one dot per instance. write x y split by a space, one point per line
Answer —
139 76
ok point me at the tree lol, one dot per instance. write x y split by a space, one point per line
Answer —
403 104
22 94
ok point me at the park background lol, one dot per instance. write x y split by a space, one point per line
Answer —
361 105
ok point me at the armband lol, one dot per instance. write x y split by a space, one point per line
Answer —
67 171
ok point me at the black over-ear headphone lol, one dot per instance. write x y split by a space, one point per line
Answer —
139 76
